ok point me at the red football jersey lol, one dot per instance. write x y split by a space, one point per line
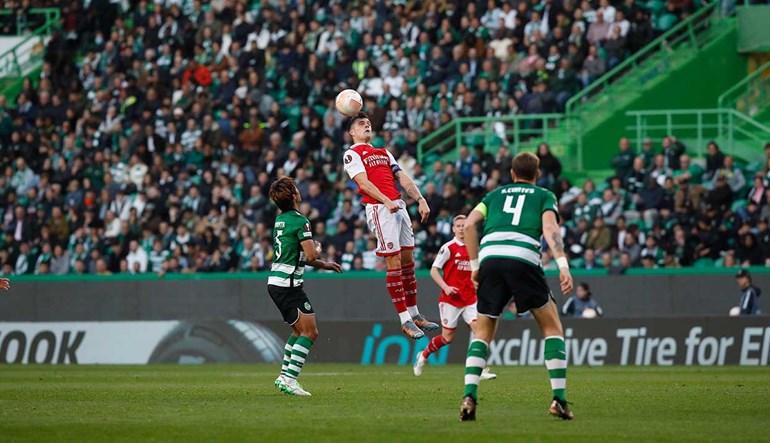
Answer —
379 165
453 259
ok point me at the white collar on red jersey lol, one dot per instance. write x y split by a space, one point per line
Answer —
457 240
361 144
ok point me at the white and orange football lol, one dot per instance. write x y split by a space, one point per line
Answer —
349 102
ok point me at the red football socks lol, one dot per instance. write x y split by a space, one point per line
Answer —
396 289
410 284
435 344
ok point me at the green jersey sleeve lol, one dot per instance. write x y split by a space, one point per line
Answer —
483 206
549 204
304 233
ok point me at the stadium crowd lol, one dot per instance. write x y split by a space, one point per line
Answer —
150 137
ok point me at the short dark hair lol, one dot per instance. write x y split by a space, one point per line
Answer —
525 165
358 116
282 192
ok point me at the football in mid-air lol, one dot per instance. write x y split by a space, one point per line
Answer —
349 102
590 313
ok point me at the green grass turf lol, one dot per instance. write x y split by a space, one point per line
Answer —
386 403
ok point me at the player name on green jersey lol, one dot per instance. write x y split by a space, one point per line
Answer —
514 223
291 228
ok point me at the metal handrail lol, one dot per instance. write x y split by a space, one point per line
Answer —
660 43
452 132
723 125
52 15
735 113
11 56
722 101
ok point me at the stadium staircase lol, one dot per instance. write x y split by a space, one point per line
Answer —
686 67
25 58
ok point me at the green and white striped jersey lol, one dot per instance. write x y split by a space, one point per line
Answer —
514 223
291 228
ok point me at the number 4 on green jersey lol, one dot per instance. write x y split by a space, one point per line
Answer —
513 222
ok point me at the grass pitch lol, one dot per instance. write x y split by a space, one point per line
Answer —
385 403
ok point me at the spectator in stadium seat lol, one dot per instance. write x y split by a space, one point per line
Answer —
60 261
764 212
763 239
550 166
715 160
757 193
615 47
648 262
660 171
720 197
748 252
611 207
681 247
589 259
623 161
708 238
673 149
688 171
600 236
649 201
622 266
598 31
687 201
731 174
647 153
564 83
137 259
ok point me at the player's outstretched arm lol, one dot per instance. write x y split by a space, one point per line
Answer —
413 191
362 180
439 279
326 265
472 240
553 238
5 284
312 250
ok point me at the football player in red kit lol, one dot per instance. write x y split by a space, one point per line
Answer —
458 295
375 171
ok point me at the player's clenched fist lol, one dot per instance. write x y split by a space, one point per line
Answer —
5 284
392 206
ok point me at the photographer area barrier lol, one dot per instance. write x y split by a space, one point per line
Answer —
697 341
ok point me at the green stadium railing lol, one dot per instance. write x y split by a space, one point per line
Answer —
736 133
26 56
685 32
52 15
751 95
356 275
515 131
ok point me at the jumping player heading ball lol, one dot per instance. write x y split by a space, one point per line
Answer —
375 171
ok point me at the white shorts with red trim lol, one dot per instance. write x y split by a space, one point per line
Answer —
450 314
393 230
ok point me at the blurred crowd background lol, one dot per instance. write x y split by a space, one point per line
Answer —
150 138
